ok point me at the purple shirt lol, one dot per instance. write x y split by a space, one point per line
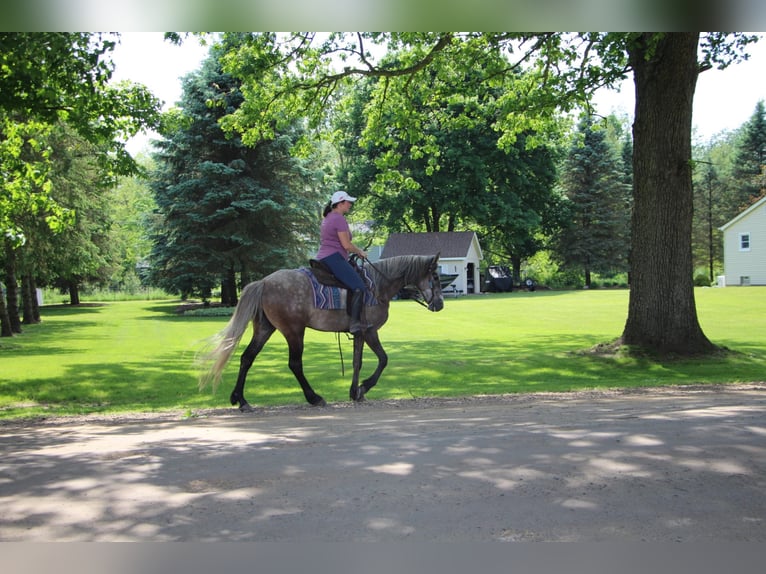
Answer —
329 242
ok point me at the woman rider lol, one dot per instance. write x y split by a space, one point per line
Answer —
334 248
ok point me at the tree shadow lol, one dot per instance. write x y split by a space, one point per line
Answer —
532 470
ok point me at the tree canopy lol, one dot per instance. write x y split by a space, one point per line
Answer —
595 237
47 79
226 209
543 75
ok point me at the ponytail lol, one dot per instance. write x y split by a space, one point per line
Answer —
327 209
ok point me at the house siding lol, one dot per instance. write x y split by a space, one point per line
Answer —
749 264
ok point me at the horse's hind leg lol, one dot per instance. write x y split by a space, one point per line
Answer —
295 345
261 333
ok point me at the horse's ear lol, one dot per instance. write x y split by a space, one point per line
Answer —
435 262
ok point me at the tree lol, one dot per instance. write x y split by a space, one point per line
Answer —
132 208
661 312
226 210
595 238
285 76
750 163
46 78
505 195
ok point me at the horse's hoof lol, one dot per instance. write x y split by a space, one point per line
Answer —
319 402
246 408
359 398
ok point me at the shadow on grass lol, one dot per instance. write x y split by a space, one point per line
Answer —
431 368
51 335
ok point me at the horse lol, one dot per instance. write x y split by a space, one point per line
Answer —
284 301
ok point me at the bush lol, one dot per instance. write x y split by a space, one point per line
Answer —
210 312
701 280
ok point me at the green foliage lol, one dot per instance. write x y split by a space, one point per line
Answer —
47 78
750 163
226 208
456 176
596 237
80 185
701 279
728 176
210 312
54 79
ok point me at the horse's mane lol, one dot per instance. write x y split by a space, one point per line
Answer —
411 268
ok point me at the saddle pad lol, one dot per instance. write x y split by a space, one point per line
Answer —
333 298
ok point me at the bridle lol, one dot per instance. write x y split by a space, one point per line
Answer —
420 297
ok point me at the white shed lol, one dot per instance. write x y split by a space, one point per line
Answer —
459 254
744 246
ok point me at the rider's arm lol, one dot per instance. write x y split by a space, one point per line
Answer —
345 241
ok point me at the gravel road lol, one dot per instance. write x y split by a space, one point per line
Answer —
669 464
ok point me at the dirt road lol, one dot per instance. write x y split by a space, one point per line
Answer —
676 464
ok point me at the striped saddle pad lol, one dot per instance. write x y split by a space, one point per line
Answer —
334 298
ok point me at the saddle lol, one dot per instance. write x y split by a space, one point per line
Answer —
323 274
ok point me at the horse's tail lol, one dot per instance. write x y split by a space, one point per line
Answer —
226 341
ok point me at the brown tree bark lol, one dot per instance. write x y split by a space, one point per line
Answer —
74 292
5 320
29 300
11 288
662 315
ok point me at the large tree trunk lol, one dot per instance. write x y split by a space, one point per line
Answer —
229 288
662 316
29 300
74 292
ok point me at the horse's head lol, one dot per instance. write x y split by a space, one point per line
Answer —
430 286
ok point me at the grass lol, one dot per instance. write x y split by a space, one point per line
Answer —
129 356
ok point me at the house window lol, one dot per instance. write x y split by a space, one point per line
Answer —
744 242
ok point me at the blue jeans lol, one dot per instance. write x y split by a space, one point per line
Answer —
344 272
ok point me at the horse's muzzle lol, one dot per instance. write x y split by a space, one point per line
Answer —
436 304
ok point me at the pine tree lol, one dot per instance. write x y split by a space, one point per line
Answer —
751 159
597 237
226 210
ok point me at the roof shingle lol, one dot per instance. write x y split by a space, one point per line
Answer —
449 244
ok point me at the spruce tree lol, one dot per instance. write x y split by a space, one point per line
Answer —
751 159
226 210
596 238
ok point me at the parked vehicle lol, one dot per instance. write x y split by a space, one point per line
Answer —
499 279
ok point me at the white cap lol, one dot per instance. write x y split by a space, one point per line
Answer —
339 196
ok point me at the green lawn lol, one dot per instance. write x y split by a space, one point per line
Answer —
139 355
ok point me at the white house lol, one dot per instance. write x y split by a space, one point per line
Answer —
744 246
459 254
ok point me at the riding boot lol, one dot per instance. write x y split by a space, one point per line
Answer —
357 302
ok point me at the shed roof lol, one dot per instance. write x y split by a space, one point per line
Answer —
449 244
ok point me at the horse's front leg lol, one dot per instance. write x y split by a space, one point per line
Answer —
356 393
373 342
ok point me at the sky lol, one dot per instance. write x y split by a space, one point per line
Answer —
723 100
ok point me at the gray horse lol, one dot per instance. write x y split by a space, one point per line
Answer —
285 301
